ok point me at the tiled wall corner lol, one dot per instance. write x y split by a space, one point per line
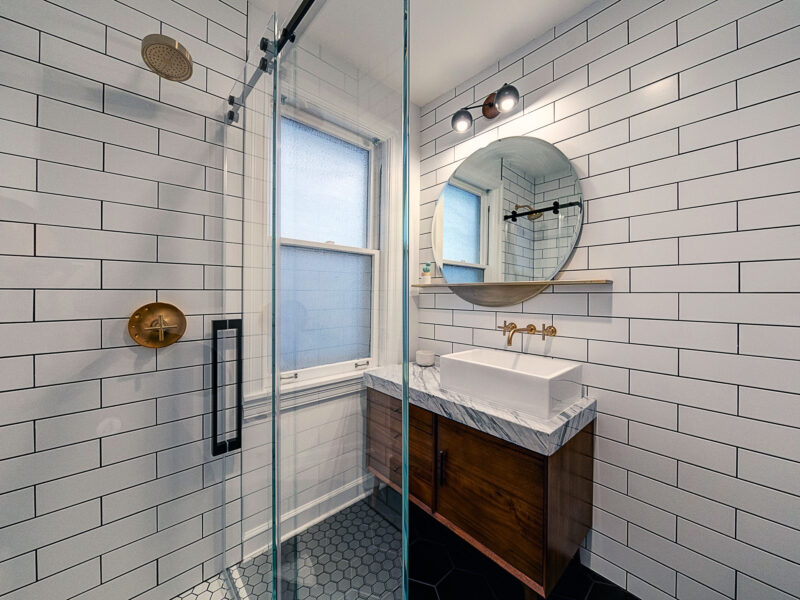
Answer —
111 198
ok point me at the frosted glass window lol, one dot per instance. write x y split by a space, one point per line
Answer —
459 274
324 187
461 237
326 307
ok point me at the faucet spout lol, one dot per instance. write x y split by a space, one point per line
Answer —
510 329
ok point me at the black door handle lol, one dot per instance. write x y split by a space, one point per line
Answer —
221 446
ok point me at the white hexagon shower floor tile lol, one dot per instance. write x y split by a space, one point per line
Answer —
352 555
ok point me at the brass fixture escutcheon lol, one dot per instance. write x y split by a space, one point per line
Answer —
156 325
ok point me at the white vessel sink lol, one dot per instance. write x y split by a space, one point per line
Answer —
535 385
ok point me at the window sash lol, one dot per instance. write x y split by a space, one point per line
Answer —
351 366
322 372
351 137
333 370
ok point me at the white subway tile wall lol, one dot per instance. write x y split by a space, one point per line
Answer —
681 117
110 181
111 197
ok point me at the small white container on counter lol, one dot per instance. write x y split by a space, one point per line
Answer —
425 277
425 358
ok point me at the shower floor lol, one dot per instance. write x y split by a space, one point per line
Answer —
352 555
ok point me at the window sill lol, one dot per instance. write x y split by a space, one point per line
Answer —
299 386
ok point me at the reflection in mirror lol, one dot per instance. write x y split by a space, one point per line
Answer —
462 257
511 212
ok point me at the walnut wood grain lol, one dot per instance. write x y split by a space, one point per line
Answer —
494 491
525 511
569 502
535 588
384 445
421 450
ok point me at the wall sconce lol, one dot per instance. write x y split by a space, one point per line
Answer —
502 101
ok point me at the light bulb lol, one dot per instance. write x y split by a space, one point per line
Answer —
506 105
506 98
461 121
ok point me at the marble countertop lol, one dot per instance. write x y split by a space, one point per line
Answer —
542 436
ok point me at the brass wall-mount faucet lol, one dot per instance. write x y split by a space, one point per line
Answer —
511 329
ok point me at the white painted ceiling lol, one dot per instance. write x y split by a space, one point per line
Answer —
451 40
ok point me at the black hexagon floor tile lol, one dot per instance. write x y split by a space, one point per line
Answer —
421 591
429 561
464 585
575 583
608 591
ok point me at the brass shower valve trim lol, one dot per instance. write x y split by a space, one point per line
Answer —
157 325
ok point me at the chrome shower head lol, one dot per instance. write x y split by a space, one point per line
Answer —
166 57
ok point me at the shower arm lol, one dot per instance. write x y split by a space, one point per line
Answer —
554 209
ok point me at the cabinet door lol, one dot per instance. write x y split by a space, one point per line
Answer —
384 445
421 451
493 492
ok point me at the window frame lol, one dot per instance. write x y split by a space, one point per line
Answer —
352 367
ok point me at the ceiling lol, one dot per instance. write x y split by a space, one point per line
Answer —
451 40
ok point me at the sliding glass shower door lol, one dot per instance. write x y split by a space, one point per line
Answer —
339 303
314 246
242 371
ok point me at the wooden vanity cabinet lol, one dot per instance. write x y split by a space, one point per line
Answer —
384 445
526 511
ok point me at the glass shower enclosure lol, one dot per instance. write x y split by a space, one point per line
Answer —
315 242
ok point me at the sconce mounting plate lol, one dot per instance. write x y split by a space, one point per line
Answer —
488 109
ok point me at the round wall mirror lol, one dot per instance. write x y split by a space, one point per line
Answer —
511 212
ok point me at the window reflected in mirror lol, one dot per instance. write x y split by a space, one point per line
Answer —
464 226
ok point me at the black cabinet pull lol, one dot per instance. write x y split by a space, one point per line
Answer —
442 459
222 446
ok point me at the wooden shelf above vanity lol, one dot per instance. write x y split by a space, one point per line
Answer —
508 292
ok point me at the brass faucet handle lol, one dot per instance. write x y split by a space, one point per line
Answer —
548 330
506 327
